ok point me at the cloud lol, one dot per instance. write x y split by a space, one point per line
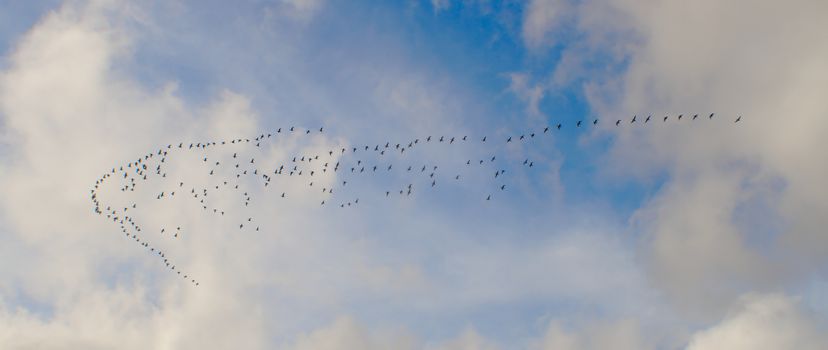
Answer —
528 93
345 333
72 108
542 17
763 322
621 334
745 183
738 210
469 339
301 10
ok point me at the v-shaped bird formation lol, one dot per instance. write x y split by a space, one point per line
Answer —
224 178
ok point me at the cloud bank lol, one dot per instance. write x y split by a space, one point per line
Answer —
719 252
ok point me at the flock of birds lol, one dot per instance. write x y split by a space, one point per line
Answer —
229 166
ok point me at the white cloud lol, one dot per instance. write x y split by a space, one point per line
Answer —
345 333
71 109
64 93
763 322
541 18
531 94
621 334
715 57
740 208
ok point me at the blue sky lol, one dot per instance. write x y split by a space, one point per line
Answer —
679 234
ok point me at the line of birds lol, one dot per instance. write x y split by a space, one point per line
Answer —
153 165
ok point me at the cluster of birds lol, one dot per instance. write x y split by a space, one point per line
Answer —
241 174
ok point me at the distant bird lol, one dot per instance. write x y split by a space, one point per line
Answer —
665 118
711 116
618 122
633 119
738 119
648 119
578 124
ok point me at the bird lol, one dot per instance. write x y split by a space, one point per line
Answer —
633 119
711 116
618 122
578 124
738 119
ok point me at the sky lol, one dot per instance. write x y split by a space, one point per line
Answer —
704 234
